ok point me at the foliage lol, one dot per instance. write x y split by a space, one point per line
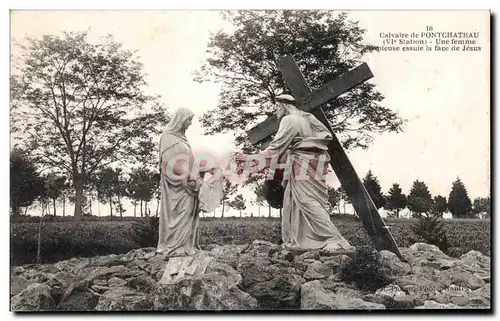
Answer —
372 185
395 199
145 234
142 185
439 206
431 230
61 241
459 202
238 203
26 185
343 196
64 238
109 184
228 190
80 106
54 186
333 198
420 199
482 205
258 189
365 271
325 44
274 192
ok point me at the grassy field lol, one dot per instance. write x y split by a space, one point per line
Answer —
64 238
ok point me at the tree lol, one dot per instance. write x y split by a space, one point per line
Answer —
26 185
396 200
373 187
106 187
80 106
431 230
141 186
420 199
459 202
228 190
482 205
55 186
439 205
273 193
343 196
259 196
238 203
324 44
333 198
259 190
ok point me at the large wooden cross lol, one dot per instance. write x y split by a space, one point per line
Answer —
312 102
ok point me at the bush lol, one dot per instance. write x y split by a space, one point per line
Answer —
61 241
432 231
365 271
145 234
66 237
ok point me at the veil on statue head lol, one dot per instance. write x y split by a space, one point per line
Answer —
178 119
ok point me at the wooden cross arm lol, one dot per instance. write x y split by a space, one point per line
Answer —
263 130
336 87
330 91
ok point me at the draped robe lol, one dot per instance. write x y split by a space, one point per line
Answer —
183 199
305 222
179 207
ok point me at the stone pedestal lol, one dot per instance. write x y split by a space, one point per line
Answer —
185 267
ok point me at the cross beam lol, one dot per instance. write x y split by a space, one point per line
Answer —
312 102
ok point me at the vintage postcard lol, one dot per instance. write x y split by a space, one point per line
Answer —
250 160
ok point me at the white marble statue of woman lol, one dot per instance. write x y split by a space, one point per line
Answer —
180 190
302 139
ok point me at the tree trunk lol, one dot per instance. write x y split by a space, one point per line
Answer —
222 213
259 209
39 245
269 211
157 205
78 197
26 211
240 213
90 206
64 205
280 212
54 205
397 213
135 209
120 210
141 209
110 208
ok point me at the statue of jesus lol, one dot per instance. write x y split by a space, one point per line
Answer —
302 140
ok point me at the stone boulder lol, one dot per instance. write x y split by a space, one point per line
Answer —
259 275
315 297
35 297
392 265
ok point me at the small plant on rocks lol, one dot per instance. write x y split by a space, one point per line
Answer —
365 271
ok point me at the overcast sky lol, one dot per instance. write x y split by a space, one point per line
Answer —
444 96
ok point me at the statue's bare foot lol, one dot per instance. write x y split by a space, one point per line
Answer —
337 248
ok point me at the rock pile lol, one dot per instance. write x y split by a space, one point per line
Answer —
249 277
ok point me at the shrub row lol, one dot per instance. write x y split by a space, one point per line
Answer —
72 238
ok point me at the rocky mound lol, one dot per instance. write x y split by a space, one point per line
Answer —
249 277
